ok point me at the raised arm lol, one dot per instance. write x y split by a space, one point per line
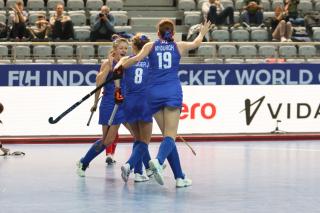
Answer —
185 46
144 52
100 79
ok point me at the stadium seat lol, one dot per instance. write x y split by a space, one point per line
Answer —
317 6
78 17
239 4
307 51
220 35
287 51
213 61
85 51
254 61
63 51
3 18
259 35
44 61
192 17
92 17
23 61
88 61
66 61
247 51
75 5
240 35
1 4
82 33
234 61
199 4
42 51
276 3
316 35
51 4
94 5
103 51
33 16
3 51
186 5
267 51
227 51
206 50
121 17
35 5
10 3
21 52
7 61
305 6
227 3
314 60
266 5
296 60
115 4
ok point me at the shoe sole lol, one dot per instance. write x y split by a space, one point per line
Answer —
124 174
157 176
140 181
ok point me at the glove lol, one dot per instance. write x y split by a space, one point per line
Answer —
118 73
118 98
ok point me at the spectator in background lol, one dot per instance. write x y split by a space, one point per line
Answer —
214 11
281 30
61 25
252 14
19 19
42 28
103 27
292 14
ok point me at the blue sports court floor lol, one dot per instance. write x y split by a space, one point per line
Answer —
227 177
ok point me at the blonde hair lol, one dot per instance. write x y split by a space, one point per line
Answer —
116 43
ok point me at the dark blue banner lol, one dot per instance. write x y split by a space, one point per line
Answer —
190 74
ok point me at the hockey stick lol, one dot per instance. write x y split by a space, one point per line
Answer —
89 121
57 119
184 141
110 121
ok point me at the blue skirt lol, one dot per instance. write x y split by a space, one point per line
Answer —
105 110
168 94
137 108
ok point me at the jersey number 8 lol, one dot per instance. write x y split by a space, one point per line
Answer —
138 76
164 60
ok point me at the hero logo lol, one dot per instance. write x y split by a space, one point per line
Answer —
206 111
303 110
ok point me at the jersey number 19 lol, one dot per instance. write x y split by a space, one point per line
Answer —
164 60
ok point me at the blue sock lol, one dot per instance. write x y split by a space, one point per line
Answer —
174 161
165 149
93 152
137 154
146 158
138 166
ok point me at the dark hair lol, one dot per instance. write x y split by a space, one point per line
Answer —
166 29
139 40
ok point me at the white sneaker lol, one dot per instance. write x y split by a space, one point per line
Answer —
81 169
183 182
157 170
125 172
150 172
283 39
140 178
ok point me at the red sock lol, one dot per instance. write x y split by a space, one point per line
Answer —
112 147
